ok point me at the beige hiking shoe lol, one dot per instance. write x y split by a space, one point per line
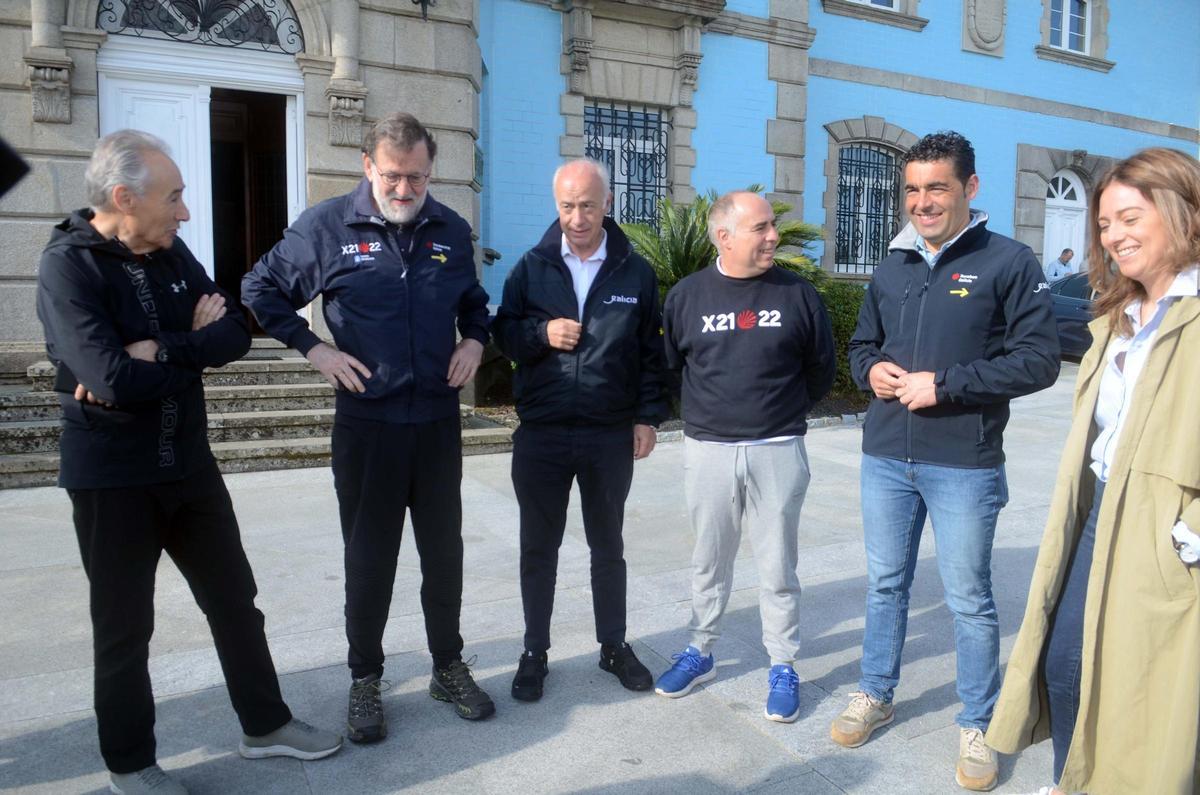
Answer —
977 769
862 717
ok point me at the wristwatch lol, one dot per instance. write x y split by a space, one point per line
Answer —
160 355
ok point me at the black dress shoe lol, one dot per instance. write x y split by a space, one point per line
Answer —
531 672
622 662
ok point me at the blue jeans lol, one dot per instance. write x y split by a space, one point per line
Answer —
1062 665
963 505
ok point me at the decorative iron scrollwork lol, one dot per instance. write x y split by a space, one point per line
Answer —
633 144
868 211
269 24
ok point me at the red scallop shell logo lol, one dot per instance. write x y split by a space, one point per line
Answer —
747 319
954 277
364 248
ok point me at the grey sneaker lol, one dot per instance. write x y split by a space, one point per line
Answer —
295 739
153 780
365 722
977 769
862 717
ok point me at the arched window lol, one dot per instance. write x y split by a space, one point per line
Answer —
265 24
1065 224
862 199
868 209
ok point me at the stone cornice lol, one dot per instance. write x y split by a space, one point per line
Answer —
773 31
847 8
1073 58
83 38
819 67
704 9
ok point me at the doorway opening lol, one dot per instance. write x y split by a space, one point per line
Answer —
249 182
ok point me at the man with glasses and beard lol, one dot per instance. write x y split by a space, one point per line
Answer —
396 272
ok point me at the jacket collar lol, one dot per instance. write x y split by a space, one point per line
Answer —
361 208
550 246
906 239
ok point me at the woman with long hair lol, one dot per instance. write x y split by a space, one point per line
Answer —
1107 661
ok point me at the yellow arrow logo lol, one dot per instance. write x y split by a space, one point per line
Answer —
961 292
440 258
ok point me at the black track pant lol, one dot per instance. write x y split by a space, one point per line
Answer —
545 461
381 470
122 533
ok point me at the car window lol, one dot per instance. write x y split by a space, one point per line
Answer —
1074 286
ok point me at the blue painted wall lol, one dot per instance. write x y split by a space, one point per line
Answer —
520 44
733 101
1154 77
994 132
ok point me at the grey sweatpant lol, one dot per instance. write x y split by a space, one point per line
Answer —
761 487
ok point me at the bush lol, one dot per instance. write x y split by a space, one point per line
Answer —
679 246
842 301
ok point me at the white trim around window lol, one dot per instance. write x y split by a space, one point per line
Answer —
900 13
1090 53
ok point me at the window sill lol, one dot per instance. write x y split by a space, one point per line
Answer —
899 19
1073 58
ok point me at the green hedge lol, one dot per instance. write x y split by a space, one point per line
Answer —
842 301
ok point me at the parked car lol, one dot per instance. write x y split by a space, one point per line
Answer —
1072 296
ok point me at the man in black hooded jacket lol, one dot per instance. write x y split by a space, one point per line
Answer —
131 320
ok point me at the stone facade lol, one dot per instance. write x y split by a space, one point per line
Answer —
359 62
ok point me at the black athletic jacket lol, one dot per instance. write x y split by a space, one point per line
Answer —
95 297
981 320
614 375
391 297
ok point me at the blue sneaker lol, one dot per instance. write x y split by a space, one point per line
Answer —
783 700
689 670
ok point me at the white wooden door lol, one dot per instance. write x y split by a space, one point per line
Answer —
1066 218
177 113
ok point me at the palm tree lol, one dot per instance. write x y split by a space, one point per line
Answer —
680 245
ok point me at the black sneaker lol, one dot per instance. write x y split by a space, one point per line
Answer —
621 661
531 672
455 685
364 721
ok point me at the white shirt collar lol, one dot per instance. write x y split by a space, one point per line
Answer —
1185 285
597 256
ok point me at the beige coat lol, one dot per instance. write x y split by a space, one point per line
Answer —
1138 729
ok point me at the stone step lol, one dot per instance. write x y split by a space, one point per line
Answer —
41 436
41 469
43 405
244 372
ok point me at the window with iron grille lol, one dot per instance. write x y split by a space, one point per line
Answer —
632 143
868 206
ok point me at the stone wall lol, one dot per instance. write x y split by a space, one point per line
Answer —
356 68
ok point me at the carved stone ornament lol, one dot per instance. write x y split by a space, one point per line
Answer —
579 44
985 23
50 85
688 64
580 52
347 102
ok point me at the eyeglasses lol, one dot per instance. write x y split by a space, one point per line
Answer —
392 179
